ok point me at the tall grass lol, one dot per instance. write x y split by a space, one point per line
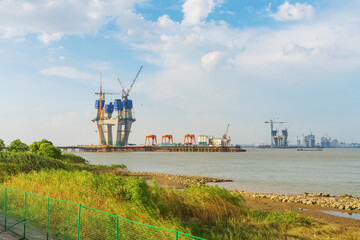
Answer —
204 211
12 164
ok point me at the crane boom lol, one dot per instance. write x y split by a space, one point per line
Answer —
132 84
227 129
123 89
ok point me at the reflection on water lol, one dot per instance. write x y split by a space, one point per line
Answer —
344 214
333 171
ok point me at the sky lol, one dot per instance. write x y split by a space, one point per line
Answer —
206 63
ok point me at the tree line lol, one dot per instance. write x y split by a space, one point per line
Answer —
43 147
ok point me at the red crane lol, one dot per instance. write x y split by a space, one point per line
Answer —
189 139
150 137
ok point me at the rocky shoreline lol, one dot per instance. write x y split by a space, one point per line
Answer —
181 179
343 202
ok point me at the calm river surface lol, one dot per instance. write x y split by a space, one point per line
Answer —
333 171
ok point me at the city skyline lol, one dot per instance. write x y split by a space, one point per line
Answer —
206 63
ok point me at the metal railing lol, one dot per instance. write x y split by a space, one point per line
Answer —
32 216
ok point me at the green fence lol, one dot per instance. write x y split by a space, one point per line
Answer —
31 216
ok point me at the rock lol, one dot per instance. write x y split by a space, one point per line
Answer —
341 207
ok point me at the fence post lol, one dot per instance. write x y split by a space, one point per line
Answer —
117 228
5 205
176 235
47 219
25 214
79 220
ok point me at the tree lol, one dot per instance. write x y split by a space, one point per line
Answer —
2 145
35 146
18 146
45 148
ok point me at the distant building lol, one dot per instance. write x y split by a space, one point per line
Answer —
334 143
309 141
325 142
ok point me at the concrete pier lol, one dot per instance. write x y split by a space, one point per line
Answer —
143 148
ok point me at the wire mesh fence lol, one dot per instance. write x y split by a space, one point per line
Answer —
31 216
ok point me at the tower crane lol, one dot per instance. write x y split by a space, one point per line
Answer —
125 93
226 132
101 108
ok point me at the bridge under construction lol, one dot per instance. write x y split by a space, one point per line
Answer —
114 120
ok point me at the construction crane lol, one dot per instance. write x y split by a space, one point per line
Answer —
272 129
189 139
227 129
125 93
101 108
167 139
150 137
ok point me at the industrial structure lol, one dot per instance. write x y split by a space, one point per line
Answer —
309 141
325 142
277 140
121 123
150 140
114 120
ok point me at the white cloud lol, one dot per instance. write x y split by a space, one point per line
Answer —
291 12
67 72
196 11
292 54
46 38
211 59
51 20
61 57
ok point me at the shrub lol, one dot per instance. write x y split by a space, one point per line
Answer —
73 158
18 146
45 148
2 145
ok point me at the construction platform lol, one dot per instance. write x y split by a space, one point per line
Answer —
143 148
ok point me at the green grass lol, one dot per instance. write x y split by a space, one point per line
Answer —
12 164
204 211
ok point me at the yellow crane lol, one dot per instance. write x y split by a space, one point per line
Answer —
101 108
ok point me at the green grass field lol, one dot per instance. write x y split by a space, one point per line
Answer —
204 211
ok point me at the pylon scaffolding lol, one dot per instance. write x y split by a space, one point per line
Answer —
121 122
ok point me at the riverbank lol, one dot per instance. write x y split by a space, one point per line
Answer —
344 202
178 181
198 209
320 207
257 170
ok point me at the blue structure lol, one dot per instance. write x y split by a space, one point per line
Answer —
128 104
118 105
109 108
97 104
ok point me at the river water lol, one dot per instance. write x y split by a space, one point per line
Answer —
333 171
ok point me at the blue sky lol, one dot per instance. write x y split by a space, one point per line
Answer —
206 63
